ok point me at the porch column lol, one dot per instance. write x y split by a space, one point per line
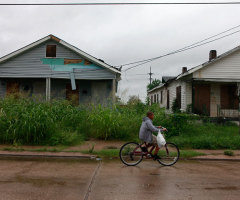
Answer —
238 93
48 89
114 90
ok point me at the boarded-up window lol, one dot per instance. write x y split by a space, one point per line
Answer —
12 87
51 51
168 99
161 96
229 98
178 96
72 95
202 99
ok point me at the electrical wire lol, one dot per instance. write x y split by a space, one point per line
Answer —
121 3
181 50
184 47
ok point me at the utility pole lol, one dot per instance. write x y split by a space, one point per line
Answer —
150 74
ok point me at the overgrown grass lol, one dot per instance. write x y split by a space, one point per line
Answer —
208 136
27 121
30 122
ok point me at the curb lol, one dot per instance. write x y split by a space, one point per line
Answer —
33 156
213 159
46 156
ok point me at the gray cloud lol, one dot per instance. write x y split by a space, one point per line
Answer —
122 34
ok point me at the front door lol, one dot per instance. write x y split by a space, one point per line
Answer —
72 95
202 99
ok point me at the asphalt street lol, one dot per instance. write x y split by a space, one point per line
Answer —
75 179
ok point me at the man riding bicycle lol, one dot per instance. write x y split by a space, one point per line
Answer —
146 133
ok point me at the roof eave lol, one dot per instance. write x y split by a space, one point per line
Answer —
22 50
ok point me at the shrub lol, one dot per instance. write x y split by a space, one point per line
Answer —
175 107
228 153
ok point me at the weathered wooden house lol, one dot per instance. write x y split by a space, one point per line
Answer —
210 88
51 68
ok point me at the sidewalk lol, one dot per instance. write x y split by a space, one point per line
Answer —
31 154
217 155
68 152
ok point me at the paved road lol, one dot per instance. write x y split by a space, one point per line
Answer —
111 180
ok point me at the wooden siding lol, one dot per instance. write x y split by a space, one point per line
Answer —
162 92
29 65
173 95
226 68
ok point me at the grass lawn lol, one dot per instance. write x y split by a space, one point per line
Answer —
115 153
208 136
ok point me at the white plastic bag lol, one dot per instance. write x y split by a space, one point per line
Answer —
160 139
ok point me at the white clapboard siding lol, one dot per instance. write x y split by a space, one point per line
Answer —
226 68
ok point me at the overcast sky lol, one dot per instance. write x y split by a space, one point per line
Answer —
122 34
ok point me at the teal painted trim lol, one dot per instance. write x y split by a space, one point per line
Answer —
57 64
53 61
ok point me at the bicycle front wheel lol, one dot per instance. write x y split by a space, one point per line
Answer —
131 154
169 154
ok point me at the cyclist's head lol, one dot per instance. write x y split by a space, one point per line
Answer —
150 115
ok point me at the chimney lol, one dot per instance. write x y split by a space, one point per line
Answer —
184 70
212 55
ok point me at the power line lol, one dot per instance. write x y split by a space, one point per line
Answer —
181 50
185 46
117 4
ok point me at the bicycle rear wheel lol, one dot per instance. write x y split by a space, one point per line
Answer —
169 154
131 154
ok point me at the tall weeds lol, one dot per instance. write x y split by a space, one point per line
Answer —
27 121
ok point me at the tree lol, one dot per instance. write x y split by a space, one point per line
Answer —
155 83
133 100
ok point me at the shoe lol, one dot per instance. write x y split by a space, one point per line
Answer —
156 157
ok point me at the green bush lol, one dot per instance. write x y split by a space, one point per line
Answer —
228 153
175 107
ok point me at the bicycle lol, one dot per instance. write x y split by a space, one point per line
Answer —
133 153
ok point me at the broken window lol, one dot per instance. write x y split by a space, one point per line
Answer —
51 51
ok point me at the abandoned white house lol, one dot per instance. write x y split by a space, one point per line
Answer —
52 68
210 88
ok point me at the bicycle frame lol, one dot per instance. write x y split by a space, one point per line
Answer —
148 154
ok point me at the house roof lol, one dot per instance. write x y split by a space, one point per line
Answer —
67 45
194 69
167 78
